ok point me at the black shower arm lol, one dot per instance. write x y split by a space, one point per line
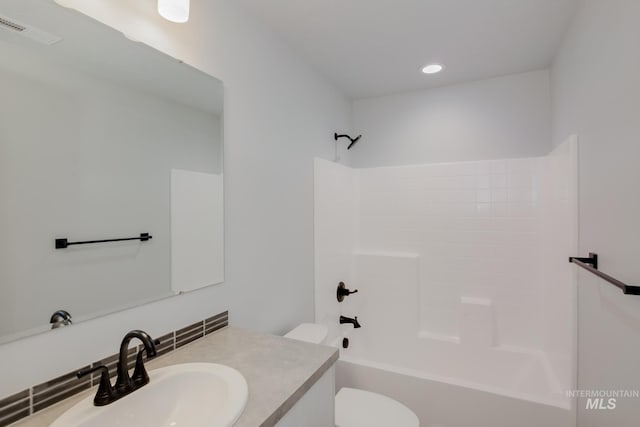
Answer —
337 137
353 140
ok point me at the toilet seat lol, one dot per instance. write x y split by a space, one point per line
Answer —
359 408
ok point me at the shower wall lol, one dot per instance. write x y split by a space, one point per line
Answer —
473 253
472 227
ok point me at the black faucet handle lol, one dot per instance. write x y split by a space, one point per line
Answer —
342 292
105 393
140 376
89 370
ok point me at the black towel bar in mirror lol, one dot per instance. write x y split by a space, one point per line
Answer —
64 243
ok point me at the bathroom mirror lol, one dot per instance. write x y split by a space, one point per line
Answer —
101 138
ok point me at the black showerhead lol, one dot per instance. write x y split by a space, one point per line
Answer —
354 141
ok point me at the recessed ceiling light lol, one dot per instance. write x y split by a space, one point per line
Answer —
432 69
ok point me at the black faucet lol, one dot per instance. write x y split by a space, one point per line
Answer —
353 321
105 394
124 384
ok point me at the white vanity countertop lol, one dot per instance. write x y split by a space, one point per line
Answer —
279 371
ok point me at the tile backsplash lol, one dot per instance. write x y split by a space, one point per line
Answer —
41 396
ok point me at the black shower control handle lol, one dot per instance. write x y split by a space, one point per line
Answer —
342 292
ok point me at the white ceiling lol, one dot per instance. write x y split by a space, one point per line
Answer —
376 47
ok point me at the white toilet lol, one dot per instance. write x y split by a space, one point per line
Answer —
359 408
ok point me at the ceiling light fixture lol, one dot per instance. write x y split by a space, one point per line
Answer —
432 69
174 10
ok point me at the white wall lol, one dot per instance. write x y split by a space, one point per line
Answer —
279 114
596 95
506 117
197 242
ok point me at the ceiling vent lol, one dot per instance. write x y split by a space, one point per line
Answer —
11 25
27 31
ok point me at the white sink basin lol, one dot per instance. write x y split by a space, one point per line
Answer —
188 395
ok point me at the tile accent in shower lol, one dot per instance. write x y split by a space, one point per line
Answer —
41 396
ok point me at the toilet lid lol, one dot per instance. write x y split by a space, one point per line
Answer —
309 332
359 408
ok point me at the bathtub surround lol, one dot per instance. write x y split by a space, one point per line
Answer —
469 260
41 396
596 93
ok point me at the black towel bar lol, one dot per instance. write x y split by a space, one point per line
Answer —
591 265
64 243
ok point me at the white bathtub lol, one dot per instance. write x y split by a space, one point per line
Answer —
497 387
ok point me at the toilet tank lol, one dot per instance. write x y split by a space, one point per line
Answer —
309 332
